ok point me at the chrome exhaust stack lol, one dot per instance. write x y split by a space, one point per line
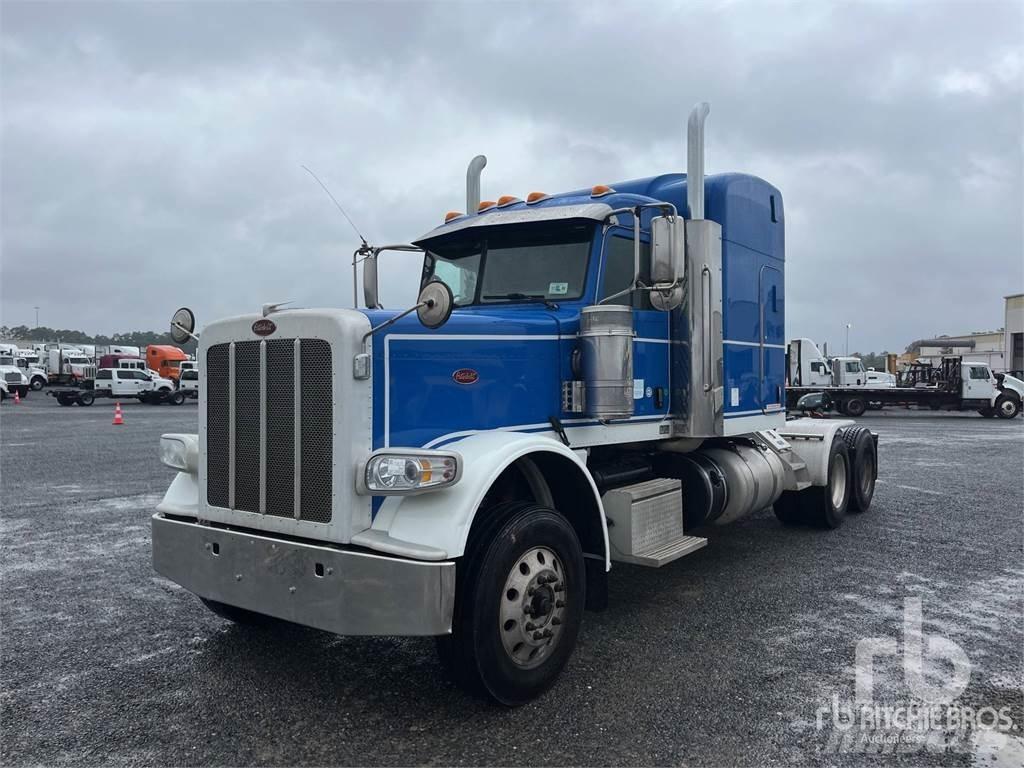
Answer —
695 159
476 167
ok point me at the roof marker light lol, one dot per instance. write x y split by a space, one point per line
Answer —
507 200
536 197
600 190
452 215
485 205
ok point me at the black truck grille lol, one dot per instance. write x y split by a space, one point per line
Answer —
269 427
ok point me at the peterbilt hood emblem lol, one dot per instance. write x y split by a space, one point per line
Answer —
263 327
465 376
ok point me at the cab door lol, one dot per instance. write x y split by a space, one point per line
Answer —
979 384
651 348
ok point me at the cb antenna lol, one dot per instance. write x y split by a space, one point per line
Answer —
338 206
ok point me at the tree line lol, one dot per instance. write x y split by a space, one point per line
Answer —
70 336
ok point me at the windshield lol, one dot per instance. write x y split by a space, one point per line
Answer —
78 360
509 264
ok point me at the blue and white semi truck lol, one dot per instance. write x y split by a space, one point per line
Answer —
587 378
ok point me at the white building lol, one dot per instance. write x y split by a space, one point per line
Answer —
1002 349
1013 334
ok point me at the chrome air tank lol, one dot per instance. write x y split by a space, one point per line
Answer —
606 344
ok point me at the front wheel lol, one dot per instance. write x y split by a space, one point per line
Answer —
1007 407
518 603
177 398
855 406
86 399
37 384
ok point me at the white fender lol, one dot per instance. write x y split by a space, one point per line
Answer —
441 519
811 440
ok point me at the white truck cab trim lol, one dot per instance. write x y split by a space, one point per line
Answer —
441 520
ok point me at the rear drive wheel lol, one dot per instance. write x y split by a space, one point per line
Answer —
240 615
856 406
863 466
825 506
988 413
65 400
519 598
1007 407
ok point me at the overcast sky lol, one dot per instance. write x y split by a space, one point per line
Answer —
151 152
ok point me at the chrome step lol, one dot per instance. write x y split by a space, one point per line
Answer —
646 523
666 553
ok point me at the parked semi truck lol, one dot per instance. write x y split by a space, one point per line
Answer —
587 378
36 377
68 366
165 360
808 367
956 384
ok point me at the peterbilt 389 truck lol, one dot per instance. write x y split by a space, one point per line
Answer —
587 378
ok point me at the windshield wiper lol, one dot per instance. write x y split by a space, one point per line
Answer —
515 296
525 297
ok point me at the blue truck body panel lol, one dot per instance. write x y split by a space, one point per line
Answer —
519 354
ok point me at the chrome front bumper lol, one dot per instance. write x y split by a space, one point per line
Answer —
348 593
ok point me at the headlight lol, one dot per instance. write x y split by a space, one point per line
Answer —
391 472
180 452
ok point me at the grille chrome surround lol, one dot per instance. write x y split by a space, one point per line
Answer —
269 428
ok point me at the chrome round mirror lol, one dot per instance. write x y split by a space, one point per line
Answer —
183 324
436 304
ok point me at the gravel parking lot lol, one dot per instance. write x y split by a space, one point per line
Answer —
721 658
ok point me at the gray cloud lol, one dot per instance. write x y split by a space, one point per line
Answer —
151 152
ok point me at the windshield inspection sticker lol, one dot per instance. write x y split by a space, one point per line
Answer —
558 289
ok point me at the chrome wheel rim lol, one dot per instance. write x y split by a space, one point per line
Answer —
1008 407
532 611
838 481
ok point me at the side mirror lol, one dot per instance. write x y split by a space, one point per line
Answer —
436 303
183 323
668 261
370 282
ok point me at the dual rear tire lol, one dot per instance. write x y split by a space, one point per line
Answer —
850 484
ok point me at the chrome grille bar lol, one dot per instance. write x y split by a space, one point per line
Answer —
231 425
263 427
297 427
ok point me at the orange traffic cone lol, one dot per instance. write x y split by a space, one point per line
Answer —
17 398
117 414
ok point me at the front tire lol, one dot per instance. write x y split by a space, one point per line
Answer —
177 398
86 399
37 384
519 599
855 407
1007 407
